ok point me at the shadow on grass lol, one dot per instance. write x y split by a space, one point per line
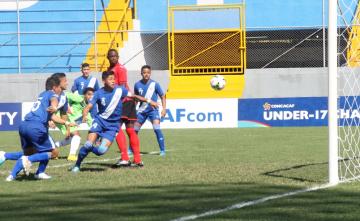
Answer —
173 201
279 173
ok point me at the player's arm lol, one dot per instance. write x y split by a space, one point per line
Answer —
143 99
163 103
86 112
59 120
162 96
53 105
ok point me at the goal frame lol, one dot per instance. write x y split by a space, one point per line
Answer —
333 93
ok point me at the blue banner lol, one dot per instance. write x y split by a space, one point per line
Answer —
294 112
279 112
10 116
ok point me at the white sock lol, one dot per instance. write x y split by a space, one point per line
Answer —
63 142
75 143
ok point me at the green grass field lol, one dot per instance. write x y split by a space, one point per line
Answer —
204 169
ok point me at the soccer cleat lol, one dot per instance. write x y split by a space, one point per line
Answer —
26 164
9 178
140 164
72 157
123 163
162 153
75 169
2 157
42 176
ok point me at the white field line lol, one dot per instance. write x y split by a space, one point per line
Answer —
250 203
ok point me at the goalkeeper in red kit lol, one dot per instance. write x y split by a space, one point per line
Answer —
128 115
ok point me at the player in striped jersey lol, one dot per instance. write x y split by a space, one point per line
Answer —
106 121
36 143
85 81
150 89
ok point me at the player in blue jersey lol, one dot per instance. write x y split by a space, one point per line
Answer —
77 104
63 109
150 89
36 143
85 81
107 121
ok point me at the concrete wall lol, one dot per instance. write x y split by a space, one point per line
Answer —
26 87
286 82
259 83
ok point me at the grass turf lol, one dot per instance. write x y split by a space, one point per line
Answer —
204 169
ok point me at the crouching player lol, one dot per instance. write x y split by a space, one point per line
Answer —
36 143
106 122
77 104
150 89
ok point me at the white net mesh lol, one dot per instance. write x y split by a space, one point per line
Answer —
349 89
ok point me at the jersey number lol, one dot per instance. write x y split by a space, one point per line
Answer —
36 105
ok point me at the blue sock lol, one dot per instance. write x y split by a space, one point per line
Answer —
96 151
81 156
17 168
42 166
160 139
37 157
13 155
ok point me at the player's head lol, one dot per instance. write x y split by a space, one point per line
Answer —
108 79
62 78
88 93
146 72
113 56
85 69
53 83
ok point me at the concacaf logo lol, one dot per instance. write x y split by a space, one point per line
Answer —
267 106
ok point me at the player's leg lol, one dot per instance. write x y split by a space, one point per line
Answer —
85 150
64 142
14 155
40 173
107 135
74 146
103 147
155 119
37 136
9 156
121 142
134 142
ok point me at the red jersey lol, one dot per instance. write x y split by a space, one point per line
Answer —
120 74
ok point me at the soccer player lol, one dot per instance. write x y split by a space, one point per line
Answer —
128 114
85 81
63 106
150 89
77 104
36 143
106 121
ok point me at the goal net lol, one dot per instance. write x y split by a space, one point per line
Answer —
348 46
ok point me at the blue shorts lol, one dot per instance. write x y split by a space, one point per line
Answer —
152 115
105 129
35 135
